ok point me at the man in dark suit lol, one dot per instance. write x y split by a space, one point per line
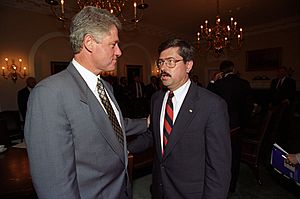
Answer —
150 89
283 92
237 93
283 88
74 131
190 131
23 95
137 98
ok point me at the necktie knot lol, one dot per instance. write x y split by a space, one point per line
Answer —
100 89
99 83
171 94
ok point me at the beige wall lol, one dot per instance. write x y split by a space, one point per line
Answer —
39 39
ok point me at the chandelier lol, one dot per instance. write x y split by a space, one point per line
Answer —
128 11
13 70
216 38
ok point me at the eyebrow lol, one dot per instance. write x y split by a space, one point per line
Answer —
167 58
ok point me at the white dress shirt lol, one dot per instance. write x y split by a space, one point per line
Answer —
177 101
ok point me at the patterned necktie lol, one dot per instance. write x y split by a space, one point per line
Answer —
168 121
110 112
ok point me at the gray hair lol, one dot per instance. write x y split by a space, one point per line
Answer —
94 21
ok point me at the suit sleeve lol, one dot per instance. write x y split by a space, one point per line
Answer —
218 153
135 126
143 141
50 146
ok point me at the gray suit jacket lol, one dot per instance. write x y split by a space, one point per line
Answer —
197 159
72 147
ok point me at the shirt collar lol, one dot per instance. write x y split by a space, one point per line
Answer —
230 73
182 90
89 77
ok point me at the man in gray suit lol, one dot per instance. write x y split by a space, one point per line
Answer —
190 131
74 147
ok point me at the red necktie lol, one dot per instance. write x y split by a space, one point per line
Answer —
168 120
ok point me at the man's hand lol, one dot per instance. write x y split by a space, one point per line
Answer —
291 159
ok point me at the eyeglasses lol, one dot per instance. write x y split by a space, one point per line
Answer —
170 63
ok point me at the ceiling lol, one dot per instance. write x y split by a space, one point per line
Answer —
185 16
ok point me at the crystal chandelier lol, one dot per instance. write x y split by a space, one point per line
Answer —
219 37
129 11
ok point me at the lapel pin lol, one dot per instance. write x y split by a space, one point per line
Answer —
190 110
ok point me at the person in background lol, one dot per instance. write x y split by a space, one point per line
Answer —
283 92
74 131
236 92
137 98
189 127
121 93
283 89
215 76
23 96
195 79
150 89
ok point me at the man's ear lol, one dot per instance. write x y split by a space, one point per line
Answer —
88 42
189 66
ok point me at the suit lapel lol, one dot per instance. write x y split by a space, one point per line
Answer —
156 122
183 119
98 114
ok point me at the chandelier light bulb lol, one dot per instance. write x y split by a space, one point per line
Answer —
127 14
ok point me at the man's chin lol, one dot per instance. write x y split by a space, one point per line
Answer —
110 68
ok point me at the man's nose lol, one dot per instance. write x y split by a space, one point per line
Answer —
118 51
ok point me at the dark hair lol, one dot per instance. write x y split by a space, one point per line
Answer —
226 66
186 50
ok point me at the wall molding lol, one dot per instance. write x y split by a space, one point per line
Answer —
37 44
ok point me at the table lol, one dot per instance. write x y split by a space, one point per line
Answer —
15 179
15 176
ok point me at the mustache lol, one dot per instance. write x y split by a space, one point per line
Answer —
163 73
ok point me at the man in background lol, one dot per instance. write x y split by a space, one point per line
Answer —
283 92
236 92
195 79
150 89
23 95
74 131
190 131
138 106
